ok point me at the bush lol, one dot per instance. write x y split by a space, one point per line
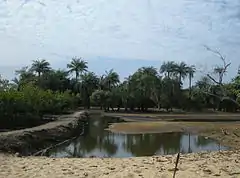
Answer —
27 106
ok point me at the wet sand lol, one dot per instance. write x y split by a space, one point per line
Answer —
215 164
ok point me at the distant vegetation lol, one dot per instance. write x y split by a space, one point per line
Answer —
39 89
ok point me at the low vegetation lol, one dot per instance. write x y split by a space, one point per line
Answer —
39 89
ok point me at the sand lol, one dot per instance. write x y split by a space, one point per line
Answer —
215 164
206 164
227 133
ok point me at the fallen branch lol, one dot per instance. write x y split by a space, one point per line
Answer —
43 151
176 165
236 134
223 68
223 98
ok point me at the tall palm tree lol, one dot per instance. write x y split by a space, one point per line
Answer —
77 66
190 70
168 68
181 69
40 66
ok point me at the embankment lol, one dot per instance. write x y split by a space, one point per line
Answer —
28 141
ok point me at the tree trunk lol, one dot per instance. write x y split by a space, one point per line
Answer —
76 75
112 108
180 78
190 86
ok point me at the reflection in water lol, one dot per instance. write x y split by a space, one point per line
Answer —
101 143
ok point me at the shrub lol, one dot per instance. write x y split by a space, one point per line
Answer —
27 106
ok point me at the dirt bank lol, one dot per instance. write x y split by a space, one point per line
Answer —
30 140
215 164
228 134
197 117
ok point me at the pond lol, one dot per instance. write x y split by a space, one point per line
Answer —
98 142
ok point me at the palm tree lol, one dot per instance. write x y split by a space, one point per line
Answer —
181 69
77 66
168 68
25 75
111 79
149 71
22 71
190 70
88 85
40 66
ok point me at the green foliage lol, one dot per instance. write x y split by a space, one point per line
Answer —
77 66
32 103
39 90
40 66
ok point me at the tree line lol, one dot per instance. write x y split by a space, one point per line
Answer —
39 89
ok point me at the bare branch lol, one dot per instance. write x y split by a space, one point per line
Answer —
209 76
223 68
216 52
222 98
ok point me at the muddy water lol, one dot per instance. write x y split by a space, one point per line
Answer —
102 143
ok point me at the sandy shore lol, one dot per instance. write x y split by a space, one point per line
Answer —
215 164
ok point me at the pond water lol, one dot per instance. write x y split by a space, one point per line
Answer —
102 143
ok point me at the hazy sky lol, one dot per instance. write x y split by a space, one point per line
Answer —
119 34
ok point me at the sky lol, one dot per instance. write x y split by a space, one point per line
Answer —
120 34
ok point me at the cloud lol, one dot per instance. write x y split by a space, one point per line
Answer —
147 29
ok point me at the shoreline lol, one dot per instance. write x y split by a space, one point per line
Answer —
227 134
202 164
30 140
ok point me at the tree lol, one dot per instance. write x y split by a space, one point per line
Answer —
24 76
77 66
88 85
143 88
181 70
4 84
221 70
55 80
190 71
110 80
40 66
168 68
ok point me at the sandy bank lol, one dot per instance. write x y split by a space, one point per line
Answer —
29 140
228 134
215 164
197 117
